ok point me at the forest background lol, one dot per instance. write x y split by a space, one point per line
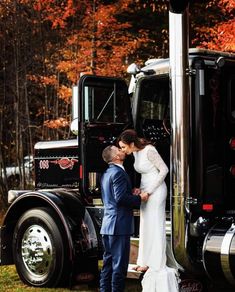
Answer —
46 45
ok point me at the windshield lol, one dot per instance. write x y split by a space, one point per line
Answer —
154 99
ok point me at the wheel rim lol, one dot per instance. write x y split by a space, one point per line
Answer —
37 251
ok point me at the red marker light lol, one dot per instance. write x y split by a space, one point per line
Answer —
207 207
80 172
232 170
232 143
100 138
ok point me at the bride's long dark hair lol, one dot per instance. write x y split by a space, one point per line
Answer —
130 136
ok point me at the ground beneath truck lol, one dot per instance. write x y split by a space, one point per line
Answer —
10 282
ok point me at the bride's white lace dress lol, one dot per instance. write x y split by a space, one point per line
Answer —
152 240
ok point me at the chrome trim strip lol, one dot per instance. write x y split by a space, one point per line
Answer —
56 144
203 255
201 82
225 254
74 122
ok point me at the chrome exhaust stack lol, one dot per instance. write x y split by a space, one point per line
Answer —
180 121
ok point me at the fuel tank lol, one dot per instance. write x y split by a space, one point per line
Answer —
219 252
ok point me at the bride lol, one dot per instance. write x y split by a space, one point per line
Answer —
152 237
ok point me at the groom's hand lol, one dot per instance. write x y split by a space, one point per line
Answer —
136 191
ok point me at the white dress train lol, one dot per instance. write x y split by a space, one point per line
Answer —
152 236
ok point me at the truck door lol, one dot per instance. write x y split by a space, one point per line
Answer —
151 115
104 112
213 140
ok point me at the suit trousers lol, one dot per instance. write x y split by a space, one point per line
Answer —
115 262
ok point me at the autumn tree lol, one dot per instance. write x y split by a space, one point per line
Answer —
16 59
104 36
47 44
28 85
213 25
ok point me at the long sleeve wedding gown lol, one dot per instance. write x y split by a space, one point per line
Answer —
152 236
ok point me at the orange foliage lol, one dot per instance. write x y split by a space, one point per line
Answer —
58 123
65 93
98 38
227 5
44 80
57 13
102 42
220 35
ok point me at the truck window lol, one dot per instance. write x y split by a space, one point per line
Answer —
105 103
154 110
154 98
213 118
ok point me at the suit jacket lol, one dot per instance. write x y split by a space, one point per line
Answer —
118 202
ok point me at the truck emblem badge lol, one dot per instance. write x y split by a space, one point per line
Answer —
65 162
190 285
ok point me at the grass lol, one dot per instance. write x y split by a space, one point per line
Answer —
10 282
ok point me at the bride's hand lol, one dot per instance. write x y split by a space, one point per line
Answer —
144 196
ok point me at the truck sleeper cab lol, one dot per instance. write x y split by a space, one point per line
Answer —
201 222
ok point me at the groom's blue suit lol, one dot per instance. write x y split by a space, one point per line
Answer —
117 226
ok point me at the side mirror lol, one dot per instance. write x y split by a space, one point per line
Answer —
133 69
74 123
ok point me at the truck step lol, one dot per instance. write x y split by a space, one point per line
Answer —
132 274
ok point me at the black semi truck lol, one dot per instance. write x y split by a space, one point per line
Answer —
186 106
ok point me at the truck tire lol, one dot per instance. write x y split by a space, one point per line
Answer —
39 253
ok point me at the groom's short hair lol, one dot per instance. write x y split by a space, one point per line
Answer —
109 153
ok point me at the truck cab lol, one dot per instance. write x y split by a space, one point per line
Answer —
51 233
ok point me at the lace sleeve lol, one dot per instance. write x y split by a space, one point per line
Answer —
154 157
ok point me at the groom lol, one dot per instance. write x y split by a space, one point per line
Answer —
117 225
